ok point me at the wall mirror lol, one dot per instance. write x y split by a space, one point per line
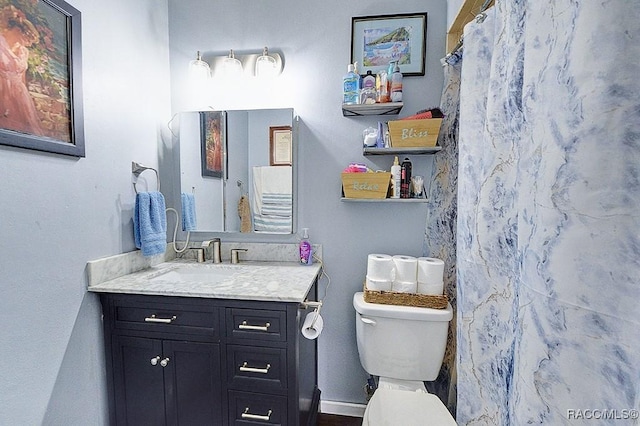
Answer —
237 170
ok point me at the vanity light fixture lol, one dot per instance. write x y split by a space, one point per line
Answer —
263 64
198 69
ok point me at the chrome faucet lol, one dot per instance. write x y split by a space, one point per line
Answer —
215 255
234 255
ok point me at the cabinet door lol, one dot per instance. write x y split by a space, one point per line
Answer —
193 383
138 381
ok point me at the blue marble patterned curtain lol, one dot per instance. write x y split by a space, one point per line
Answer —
440 231
548 239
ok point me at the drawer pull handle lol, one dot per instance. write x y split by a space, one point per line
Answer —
153 318
247 415
264 370
245 326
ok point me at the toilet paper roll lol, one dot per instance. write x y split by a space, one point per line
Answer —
310 331
430 270
404 286
406 268
380 267
378 285
434 289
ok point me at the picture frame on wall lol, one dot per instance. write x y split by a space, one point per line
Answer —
378 40
280 146
213 143
41 77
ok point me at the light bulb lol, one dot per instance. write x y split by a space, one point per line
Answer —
266 66
198 69
231 67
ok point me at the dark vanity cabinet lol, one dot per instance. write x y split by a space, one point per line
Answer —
196 361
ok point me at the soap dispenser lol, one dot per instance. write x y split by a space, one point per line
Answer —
306 249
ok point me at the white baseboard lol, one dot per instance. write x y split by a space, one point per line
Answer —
342 408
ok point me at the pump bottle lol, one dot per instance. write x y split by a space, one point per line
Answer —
306 249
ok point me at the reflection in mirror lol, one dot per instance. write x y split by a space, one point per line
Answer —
251 189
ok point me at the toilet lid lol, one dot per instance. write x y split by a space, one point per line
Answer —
392 407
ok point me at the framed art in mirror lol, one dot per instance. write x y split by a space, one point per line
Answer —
280 146
40 76
378 40
213 140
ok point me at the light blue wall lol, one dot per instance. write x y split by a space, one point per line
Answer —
57 212
315 39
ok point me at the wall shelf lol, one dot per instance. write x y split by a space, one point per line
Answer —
387 108
406 151
385 200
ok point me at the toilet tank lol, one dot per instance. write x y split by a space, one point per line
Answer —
401 342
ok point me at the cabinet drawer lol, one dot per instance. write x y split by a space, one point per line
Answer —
247 408
256 324
256 368
151 316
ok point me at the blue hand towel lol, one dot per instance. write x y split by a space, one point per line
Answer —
188 212
150 223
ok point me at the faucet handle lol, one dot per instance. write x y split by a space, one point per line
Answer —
234 255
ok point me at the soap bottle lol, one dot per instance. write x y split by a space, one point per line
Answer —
396 85
405 179
395 176
306 249
351 86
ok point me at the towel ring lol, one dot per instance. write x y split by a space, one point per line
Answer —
137 169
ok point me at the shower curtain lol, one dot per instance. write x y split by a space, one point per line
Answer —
548 233
440 231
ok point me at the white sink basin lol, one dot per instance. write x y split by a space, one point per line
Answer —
197 274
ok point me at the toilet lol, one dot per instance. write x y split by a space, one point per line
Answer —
404 346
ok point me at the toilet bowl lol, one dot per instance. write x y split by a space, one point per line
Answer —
393 407
403 346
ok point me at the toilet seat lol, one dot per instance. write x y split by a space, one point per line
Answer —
393 407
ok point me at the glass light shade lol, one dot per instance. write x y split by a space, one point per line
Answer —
266 66
231 67
198 69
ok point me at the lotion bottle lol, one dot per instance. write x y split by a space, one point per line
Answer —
395 175
306 249
396 85
351 86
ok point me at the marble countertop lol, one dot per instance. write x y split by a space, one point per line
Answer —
252 280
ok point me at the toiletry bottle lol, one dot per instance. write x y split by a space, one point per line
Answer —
395 176
405 179
396 85
351 86
392 66
382 88
306 250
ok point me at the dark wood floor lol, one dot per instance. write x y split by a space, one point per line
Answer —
334 420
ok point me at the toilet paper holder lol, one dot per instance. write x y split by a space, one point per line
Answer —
311 304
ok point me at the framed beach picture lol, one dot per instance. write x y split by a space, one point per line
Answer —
378 40
40 76
213 142
280 146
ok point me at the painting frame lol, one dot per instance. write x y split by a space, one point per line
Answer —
280 146
410 49
59 42
213 143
